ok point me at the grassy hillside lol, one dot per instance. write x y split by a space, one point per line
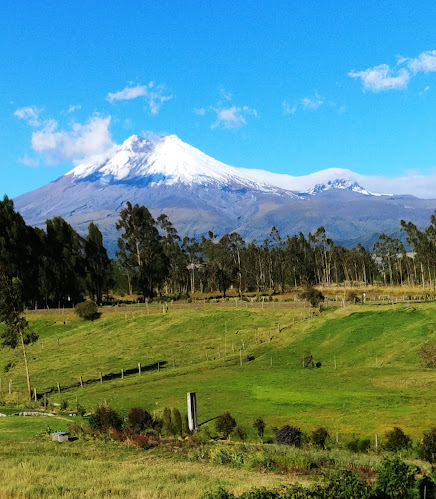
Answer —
370 379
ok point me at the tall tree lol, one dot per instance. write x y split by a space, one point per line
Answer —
140 248
17 332
97 263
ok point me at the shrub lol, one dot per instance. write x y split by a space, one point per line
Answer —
64 405
427 354
87 310
397 440
105 417
289 435
225 424
259 424
345 485
427 447
358 444
220 493
167 426
308 360
313 296
177 419
319 436
395 479
139 419
352 297
240 433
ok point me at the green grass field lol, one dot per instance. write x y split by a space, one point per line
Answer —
370 380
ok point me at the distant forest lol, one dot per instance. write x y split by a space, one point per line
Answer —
58 267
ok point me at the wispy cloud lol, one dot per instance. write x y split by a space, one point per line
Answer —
425 62
30 114
71 109
232 117
83 140
227 115
153 94
28 161
382 77
311 103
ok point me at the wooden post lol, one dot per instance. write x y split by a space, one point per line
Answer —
139 368
34 395
337 437
81 381
158 366
192 411
101 377
376 442
122 373
59 388
278 327
45 400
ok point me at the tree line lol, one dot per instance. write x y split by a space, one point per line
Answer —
58 267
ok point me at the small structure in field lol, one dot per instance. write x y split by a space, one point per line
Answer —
60 436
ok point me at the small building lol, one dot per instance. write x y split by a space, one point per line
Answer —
60 436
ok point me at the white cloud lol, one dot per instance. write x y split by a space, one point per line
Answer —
30 114
311 103
288 108
232 117
32 162
382 77
425 62
152 93
71 109
57 146
200 111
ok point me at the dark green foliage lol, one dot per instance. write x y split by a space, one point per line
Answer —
395 479
427 487
139 419
427 447
313 296
225 424
87 310
64 405
319 436
240 433
167 422
220 493
358 444
105 417
289 435
177 422
346 485
259 424
397 440
427 354
308 360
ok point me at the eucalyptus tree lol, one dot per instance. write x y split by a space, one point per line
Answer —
140 248
97 263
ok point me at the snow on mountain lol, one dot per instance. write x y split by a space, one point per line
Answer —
165 160
339 184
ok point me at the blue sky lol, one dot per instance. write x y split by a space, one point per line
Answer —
290 87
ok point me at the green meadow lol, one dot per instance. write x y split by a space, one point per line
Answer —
242 358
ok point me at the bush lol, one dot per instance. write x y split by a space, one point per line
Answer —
220 493
87 310
346 485
177 420
64 405
259 424
352 297
397 440
313 296
289 435
358 444
105 417
139 419
319 436
395 479
240 433
427 354
225 424
168 425
427 447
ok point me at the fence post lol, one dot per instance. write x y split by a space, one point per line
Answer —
122 373
59 387
81 381
101 377
34 395
139 368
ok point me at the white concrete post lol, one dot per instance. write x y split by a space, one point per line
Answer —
192 411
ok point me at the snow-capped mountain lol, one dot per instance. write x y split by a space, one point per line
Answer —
165 160
339 184
200 194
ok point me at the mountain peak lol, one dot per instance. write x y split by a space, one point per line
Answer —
344 184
